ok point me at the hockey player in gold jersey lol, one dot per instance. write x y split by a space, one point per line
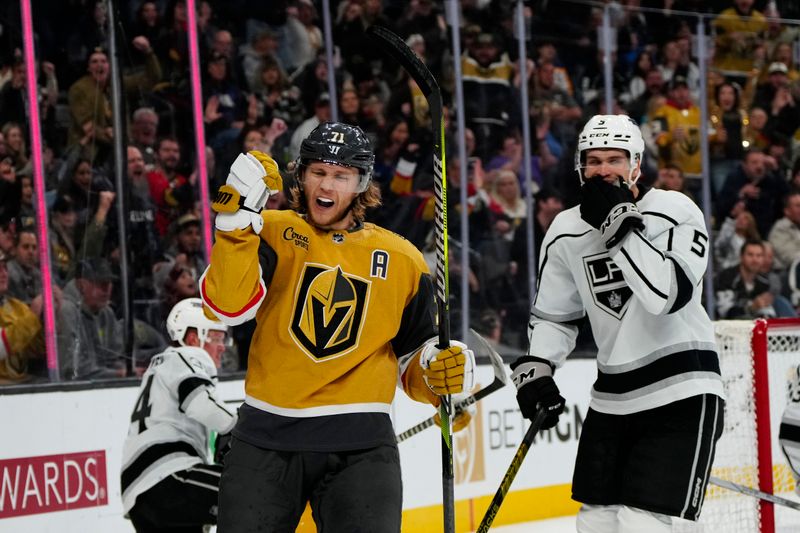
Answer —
345 312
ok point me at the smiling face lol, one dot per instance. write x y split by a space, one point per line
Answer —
330 190
14 139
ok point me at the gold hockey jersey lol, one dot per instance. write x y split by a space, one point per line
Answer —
21 338
339 314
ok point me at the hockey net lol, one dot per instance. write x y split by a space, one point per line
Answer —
756 358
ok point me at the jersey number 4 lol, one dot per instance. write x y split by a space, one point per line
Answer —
142 409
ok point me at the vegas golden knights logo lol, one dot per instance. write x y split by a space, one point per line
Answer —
329 311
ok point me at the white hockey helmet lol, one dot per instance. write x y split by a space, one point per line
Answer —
187 314
611 131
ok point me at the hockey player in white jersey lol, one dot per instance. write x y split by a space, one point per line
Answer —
632 260
169 482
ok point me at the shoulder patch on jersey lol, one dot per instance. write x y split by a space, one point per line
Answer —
329 310
609 290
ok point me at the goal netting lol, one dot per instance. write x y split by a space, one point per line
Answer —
756 358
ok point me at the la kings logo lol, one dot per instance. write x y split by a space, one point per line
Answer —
609 290
329 310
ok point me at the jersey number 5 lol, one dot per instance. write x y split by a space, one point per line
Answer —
699 243
142 409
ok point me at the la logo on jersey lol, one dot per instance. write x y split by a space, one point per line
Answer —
329 311
609 290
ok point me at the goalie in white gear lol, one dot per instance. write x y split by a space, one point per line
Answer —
632 260
789 435
169 482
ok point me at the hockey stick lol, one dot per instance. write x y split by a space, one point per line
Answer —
755 493
415 68
500 380
511 473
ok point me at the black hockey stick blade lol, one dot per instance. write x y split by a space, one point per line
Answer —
755 493
410 62
511 473
500 380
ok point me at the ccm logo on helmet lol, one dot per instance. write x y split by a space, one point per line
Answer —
599 135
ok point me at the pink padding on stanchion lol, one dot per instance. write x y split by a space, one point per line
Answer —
197 118
48 310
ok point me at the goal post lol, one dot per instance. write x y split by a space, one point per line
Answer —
756 359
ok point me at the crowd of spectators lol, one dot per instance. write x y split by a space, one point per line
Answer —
265 86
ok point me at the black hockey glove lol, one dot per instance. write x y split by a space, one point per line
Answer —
222 445
610 209
536 388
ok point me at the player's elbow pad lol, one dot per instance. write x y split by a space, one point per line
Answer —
238 316
211 413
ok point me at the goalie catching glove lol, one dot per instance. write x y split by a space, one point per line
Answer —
448 371
610 209
253 178
536 389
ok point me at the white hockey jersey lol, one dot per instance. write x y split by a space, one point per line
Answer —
175 412
655 341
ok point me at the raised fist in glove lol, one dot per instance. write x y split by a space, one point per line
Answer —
610 209
253 178
536 389
448 371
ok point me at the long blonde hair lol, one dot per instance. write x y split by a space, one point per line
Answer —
516 208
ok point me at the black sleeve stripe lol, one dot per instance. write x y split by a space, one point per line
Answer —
546 251
684 288
662 215
268 260
649 244
219 406
669 239
188 386
418 323
642 276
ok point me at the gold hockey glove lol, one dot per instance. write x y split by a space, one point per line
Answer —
448 371
253 178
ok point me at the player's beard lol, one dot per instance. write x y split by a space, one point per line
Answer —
330 225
